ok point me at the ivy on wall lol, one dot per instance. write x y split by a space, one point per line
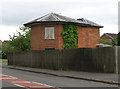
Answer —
70 36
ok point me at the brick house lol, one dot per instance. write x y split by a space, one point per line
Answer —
4 42
46 32
109 36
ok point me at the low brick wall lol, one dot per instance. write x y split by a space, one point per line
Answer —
80 59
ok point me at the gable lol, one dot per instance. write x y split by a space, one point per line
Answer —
105 36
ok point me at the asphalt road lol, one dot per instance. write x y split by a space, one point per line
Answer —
50 80
6 84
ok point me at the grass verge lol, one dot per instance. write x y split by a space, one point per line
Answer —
3 60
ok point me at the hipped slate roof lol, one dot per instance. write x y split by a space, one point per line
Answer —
56 18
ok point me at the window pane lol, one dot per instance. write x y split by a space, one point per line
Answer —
52 33
46 33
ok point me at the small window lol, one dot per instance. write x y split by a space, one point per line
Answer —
49 32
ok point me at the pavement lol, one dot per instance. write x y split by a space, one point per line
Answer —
51 80
109 78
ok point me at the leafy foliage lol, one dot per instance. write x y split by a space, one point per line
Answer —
0 46
113 43
18 42
21 42
107 41
5 51
0 50
118 39
70 36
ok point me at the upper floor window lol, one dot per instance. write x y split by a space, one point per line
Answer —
49 32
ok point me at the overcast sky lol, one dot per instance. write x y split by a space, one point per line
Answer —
14 13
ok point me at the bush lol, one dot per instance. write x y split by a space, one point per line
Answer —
18 42
107 41
118 39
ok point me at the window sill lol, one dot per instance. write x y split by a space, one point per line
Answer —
49 39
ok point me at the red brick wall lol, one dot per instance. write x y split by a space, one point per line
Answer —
88 37
38 41
60 37
105 37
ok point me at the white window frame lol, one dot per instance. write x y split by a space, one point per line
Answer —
49 34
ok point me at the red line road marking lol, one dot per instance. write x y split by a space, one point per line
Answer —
31 85
26 84
14 80
45 88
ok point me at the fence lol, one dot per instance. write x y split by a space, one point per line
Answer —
80 59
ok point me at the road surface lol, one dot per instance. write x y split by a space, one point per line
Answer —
46 79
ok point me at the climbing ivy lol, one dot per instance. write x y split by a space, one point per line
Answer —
70 36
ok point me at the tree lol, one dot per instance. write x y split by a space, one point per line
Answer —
113 43
107 41
0 46
18 42
0 50
118 39
21 42
5 51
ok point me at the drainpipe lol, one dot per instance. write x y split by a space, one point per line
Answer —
116 59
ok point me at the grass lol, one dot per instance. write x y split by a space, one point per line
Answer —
3 60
